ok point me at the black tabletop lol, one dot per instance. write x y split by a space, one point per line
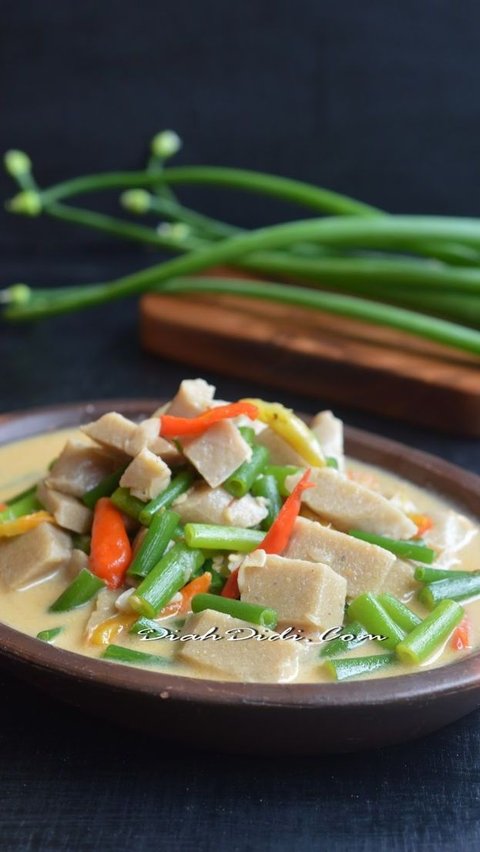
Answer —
70 781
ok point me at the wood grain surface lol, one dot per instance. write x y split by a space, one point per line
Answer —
341 360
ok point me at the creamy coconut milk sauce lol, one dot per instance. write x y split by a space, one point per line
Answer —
25 462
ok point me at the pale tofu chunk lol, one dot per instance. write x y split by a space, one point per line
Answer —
146 436
400 580
329 431
349 505
241 658
203 505
218 452
304 594
246 512
146 476
34 555
280 451
112 430
78 561
192 397
79 468
104 608
68 512
364 566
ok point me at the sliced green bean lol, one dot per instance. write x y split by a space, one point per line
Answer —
23 504
281 472
429 636
339 645
104 488
253 613
356 666
118 654
179 484
332 462
78 593
153 546
168 576
371 614
49 635
455 589
430 575
148 628
218 537
404 549
403 615
217 583
266 486
248 434
131 506
241 481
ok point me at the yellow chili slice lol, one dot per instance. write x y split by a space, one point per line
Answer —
292 429
22 525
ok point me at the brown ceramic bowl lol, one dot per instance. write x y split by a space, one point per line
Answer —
284 718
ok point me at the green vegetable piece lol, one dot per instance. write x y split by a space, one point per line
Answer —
430 575
104 488
332 462
179 484
455 589
371 614
342 669
429 636
84 587
334 647
281 472
153 546
403 615
148 627
404 549
81 542
22 504
248 434
49 635
131 506
267 486
118 654
218 537
166 578
241 481
253 613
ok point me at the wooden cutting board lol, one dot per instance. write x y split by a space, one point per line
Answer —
334 359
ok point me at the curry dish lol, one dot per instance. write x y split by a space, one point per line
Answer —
231 541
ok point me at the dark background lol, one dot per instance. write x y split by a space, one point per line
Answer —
378 99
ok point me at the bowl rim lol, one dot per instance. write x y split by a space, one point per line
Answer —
20 649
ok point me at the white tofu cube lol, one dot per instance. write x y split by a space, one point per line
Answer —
218 452
146 476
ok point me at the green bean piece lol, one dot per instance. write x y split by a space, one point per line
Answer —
332 462
356 666
23 504
148 628
248 434
218 537
280 472
179 484
166 578
371 614
253 613
81 542
131 506
429 636
154 545
403 615
266 486
78 593
339 645
104 488
430 575
217 583
455 589
49 635
118 654
241 481
404 549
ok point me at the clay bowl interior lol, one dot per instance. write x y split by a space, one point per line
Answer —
280 718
